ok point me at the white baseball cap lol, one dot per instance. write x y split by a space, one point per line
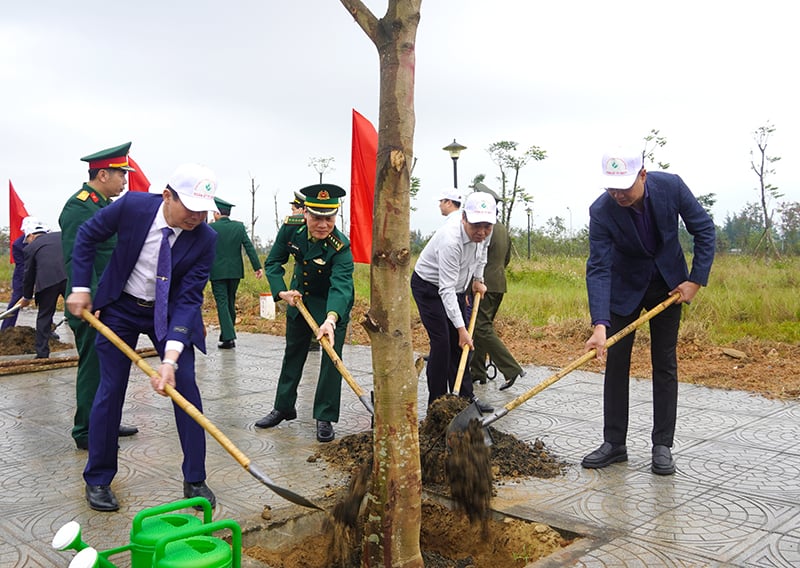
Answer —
620 168
34 226
195 186
452 194
480 207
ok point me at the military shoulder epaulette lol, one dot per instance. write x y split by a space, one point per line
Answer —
83 195
294 220
335 243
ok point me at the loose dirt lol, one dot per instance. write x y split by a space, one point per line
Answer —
21 340
466 536
768 368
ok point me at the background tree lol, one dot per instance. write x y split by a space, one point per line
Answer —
508 158
393 509
253 216
790 227
761 164
651 142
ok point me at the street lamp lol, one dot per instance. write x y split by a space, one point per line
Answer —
454 150
528 211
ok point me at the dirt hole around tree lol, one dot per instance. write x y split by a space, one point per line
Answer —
452 534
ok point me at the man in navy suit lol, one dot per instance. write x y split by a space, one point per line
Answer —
636 262
127 301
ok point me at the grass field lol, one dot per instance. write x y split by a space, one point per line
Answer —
746 297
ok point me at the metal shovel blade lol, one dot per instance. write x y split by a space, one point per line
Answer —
462 419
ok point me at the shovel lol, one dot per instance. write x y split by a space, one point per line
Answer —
337 361
198 416
462 419
11 311
462 364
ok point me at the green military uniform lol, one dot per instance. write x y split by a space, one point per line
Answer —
323 274
484 337
228 268
79 208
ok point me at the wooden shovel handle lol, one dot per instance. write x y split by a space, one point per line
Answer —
326 345
177 397
589 355
462 364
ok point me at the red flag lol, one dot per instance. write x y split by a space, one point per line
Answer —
362 187
16 213
137 181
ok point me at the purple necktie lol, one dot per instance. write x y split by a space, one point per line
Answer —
163 272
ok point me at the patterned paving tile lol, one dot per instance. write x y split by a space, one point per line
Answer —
733 501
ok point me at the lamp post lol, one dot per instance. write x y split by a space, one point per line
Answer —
528 211
454 150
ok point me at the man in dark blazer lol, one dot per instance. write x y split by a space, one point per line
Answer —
636 262
129 305
228 269
323 279
44 275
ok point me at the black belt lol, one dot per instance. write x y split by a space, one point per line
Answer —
139 301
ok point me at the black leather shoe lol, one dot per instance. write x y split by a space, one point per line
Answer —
663 462
82 443
199 489
276 417
605 455
127 430
510 382
325 431
482 406
101 498
227 344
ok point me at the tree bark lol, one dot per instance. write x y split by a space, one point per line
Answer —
393 511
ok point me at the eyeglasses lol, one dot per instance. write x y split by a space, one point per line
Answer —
615 190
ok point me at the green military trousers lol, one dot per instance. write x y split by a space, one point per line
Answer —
327 397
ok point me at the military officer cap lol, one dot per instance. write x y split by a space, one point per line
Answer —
485 189
322 198
223 206
110 158
299 199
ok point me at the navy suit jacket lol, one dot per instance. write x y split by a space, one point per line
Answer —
619 268
130 218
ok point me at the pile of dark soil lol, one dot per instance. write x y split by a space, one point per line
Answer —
462 538
21 340
509 457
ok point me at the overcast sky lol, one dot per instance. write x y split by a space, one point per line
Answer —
257 88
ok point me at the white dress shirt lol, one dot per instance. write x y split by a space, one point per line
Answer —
449 261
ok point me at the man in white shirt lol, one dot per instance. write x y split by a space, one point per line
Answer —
452 261
450 202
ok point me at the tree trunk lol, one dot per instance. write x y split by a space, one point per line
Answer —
393 516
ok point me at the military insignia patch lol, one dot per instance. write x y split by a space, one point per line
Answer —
294 220
82 196
320 261
335 243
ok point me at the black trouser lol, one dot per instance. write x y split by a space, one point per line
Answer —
663 355
46 300
445 352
